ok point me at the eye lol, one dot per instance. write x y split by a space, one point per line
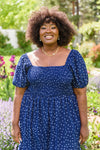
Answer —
53 27
43 27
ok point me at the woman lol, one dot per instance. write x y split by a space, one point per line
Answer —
50 106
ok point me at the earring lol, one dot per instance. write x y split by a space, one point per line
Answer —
40 40
58 38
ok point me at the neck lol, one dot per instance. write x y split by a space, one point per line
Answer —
50 52
50 48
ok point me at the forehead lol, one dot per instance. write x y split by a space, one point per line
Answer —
48 23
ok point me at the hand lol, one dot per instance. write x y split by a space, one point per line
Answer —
15 132
84 133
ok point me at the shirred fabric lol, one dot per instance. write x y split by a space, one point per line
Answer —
49 114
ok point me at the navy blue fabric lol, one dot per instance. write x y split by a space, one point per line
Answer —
49 114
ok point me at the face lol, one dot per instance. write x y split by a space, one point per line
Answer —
49 33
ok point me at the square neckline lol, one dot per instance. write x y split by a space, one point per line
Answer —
50 66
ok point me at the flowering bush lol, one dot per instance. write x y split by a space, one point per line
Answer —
2 68
95 55
89 30
13 65
6 141
85 48
6 87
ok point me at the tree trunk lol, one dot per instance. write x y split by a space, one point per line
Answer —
73 8
77 6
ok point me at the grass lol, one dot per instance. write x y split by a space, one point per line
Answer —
93 101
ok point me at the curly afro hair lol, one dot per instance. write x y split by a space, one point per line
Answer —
36 20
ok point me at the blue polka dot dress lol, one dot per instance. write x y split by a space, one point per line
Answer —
49 114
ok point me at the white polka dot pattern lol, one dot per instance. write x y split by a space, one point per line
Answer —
49 115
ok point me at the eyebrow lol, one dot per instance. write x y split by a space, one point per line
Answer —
48 23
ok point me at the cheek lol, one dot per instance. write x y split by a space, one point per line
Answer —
57 32
41 33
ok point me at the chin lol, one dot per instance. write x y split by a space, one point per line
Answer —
49 43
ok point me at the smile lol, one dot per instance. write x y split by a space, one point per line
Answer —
48 37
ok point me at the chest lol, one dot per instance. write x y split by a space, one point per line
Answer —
42 60
50 75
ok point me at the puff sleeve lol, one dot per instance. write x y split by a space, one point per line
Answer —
20 75
80 75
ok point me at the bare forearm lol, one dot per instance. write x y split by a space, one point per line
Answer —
16 109
82 103
19 92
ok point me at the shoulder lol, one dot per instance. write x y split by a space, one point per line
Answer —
64 51
24 61
76 58
76 54
30 53
33 53
23 58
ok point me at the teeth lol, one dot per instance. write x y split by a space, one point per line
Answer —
49 36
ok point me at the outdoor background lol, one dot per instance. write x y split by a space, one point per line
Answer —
85 16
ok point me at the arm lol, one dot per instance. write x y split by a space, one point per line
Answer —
82 104
19 92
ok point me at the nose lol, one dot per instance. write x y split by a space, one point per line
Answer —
48 29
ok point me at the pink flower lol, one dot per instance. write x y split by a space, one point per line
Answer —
12 59
11 66
88 71
1 58
11 73
3 62
14 67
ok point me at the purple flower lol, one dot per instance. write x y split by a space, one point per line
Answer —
99 136
9 99
94 111
5 124
85 146
4 76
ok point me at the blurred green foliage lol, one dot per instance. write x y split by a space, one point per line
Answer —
90 30
14 13
7 49
3 40
85 48
23 44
